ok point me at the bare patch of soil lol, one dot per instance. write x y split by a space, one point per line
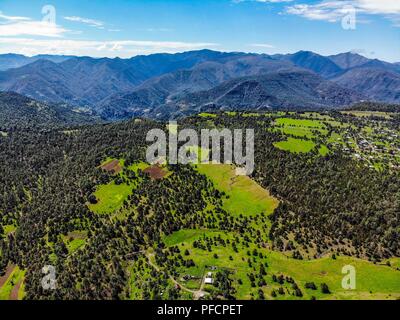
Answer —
113 167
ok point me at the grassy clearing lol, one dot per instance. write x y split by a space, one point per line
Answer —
245 195
9 229
335 138
138 166
75 244
226 258
300 127
15 277
395 263
231 113
364 114
140 278
323 150
372 281
316 116
110 197
295 145
207 115
300 123
296 131
188 235
251 114
75 240
21 291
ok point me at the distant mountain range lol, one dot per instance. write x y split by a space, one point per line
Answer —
11 60
376 83
283 90
162 85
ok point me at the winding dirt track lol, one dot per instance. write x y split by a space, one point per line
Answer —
197 294
4 278
15 290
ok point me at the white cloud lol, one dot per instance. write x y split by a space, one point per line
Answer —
331 11
24 26
378 6
123 49
262 45
32 28
334 10
90 22
12 18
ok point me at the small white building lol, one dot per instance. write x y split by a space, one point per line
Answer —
208 280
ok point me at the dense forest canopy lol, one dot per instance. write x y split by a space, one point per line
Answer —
330 204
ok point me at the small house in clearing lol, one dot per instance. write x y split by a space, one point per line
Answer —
208 279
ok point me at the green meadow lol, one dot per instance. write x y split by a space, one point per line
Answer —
300 127
364 114
245 195
207 115
138 166
231 113
323 150
316 116
111 197
15 277
295 145
188 235
74 240
300 123
9 229
296 131
372 281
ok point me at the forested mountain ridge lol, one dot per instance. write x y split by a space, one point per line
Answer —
118 88
161 92
284 90
376 83
86 81
324 66
374 106
11 61
17 111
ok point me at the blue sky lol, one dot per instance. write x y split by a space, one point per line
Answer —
126 28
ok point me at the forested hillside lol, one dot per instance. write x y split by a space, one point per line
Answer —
114 227
17 111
